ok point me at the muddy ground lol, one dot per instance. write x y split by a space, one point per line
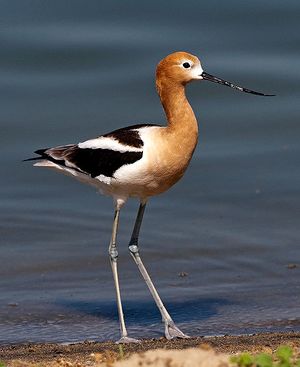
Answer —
83 353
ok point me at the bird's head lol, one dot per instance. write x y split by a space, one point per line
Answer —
182 68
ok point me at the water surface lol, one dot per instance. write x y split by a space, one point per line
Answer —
69 73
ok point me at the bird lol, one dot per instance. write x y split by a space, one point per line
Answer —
140 161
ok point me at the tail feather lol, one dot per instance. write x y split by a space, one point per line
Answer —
31 159
41 153
52 154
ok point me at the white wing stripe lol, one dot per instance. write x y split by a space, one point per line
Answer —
108 143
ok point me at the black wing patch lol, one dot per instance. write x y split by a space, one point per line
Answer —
93 162
128 135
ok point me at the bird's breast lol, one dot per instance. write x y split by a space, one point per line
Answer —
165 159
167 156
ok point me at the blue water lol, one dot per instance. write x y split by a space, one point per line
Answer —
73 70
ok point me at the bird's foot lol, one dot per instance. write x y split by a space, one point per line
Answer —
127 340
172 331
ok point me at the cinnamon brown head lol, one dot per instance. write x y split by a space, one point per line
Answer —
181 68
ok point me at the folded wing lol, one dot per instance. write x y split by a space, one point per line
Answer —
100 156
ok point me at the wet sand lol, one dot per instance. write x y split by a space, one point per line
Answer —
86 353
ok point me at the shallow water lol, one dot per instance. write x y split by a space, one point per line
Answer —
232 224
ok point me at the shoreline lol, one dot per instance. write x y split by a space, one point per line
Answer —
81 352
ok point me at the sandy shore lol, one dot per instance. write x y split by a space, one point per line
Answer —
90 353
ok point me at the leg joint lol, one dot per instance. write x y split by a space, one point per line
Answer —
133 248
113 253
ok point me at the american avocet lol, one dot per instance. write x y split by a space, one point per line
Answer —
140 161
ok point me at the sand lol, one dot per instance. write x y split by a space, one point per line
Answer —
202 351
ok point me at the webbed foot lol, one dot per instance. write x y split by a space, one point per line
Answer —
127 340
172 331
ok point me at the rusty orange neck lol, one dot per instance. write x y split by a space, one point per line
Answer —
179 113
182 126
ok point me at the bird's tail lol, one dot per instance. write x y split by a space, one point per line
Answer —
40 152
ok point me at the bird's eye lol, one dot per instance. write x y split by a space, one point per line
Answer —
186 65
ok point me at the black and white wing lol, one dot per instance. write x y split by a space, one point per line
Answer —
100 156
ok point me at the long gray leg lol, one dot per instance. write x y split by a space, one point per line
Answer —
171 330
113 253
